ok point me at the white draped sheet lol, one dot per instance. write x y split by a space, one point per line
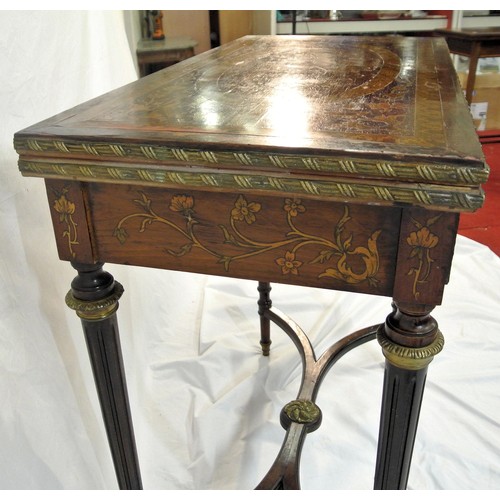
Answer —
205 403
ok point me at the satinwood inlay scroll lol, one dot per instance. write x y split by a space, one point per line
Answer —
338 250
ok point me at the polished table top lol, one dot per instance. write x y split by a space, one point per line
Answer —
370 119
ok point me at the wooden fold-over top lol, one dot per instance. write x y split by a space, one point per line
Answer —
363 119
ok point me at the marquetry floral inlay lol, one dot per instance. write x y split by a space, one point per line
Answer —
338 250
422 241
65 208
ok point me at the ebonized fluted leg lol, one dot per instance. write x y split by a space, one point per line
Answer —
264 304
409 338
94 296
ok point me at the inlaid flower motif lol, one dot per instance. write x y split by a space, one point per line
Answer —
64 208
421 242
294 207
245 211
182 204
121 234
423 238
289 264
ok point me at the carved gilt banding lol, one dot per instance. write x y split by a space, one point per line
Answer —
404 171
407 357
418 182
431 196
98 309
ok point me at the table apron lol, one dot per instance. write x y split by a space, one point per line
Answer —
263 237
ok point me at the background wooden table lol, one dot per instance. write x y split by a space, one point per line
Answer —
473 43
153 55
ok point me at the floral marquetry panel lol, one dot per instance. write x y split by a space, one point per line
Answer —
260 237
425 255
68 211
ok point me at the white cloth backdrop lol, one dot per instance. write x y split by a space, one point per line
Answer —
205 403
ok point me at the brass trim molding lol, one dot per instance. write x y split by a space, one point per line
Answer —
407 357
98 309
395 171
431 196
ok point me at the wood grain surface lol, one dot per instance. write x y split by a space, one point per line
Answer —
256 102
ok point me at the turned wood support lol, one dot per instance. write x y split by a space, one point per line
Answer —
409 339
94 296
264 304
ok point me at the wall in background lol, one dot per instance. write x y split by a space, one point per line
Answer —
193 23
132 21
234 24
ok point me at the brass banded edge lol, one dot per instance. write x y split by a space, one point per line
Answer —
407 357
406 172
95 310
429 196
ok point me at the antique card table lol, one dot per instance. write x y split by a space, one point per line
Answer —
333 162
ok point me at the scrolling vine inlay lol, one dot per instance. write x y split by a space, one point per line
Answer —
244 213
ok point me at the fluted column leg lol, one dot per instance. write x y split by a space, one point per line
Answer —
94 296
409 338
